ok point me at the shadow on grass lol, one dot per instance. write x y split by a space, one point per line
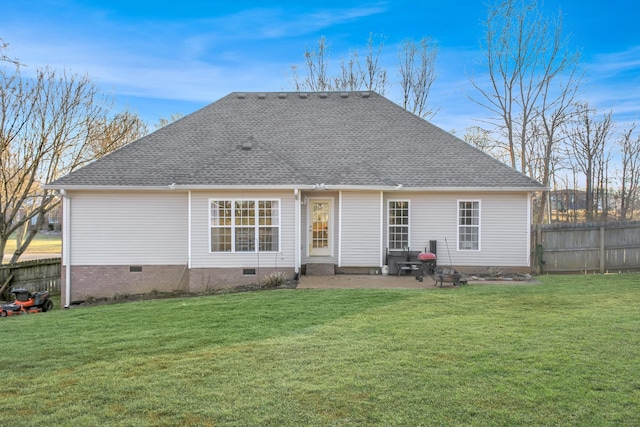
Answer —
104 332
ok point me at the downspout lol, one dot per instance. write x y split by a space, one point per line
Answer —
66 247
297 232
382 250
340 228
189 231
530 197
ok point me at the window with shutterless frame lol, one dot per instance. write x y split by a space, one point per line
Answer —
398 224
244 225
468 225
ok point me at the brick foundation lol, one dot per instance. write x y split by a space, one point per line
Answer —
107 281
207 279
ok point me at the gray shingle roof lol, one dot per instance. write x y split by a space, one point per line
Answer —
290 139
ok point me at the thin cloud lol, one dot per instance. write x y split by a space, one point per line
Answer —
180 59
611 64
273 23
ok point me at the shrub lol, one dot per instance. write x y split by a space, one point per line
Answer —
495 271
274 280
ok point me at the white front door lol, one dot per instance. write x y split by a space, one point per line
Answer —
320 227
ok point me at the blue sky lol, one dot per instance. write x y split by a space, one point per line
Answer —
161 58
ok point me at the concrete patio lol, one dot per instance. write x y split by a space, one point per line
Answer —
388 282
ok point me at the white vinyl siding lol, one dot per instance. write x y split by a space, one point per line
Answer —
201 255
504 234
124 228
360 226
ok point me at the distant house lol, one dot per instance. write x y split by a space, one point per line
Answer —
262 182
51 218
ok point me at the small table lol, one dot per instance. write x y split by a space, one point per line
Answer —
408 266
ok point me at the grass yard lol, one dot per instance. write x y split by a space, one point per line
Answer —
42 243
563 353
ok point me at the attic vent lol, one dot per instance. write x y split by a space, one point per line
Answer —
262 95
344 95
302 95
282 95
365 94
248 144
323 94
242 95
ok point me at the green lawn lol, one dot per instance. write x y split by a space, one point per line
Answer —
50 243
565 353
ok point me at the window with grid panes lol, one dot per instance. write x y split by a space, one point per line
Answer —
398 227
245 225
468 225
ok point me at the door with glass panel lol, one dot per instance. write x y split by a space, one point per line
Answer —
320 227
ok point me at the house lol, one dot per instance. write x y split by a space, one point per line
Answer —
262 182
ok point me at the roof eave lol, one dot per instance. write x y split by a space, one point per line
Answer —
438 189
174 187
476 189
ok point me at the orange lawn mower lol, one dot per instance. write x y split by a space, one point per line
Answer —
27 302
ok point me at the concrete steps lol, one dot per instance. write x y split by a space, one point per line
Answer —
321 269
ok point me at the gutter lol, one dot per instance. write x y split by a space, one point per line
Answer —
178 187
400 187
316 187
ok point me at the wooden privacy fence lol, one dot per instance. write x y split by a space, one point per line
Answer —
36 275
586 247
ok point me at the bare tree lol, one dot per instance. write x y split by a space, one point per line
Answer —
524 53
108 134
630 173
556 108
315 78
3 56
50 124
483 140
163 121
417 73
589 141
351 74
375 77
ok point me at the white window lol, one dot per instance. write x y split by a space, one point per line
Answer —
469 225
245 225
398 227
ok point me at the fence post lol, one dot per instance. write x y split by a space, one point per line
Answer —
602 253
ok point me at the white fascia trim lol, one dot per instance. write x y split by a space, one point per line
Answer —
240 187
108 187
436 189
174 187
474 189
317 187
